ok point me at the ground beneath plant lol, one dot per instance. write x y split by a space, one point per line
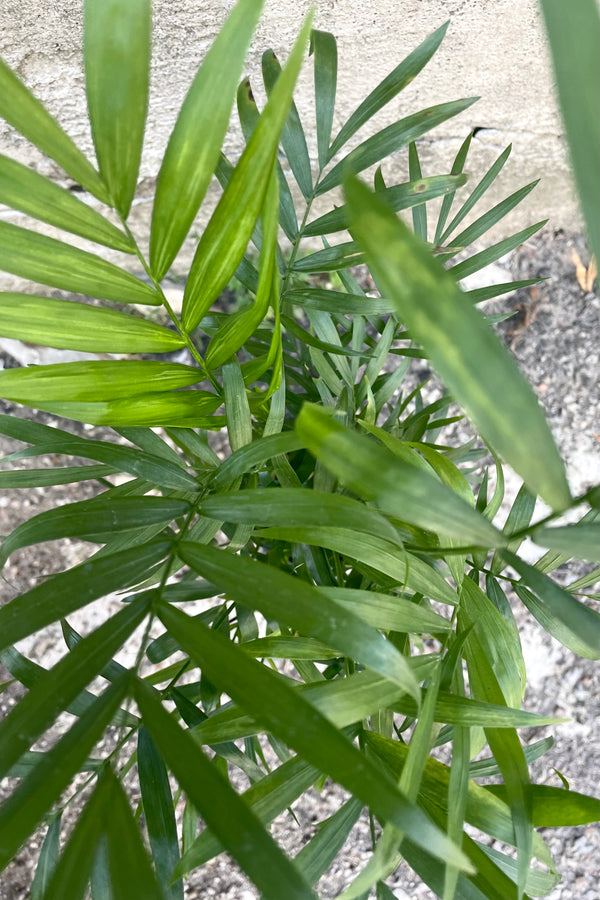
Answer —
555 338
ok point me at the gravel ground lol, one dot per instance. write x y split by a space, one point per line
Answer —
554 337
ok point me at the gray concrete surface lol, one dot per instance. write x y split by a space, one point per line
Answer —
494 49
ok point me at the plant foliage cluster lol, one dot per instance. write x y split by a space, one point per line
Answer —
353 573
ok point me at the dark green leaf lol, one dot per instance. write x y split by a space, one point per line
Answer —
390 140
116 53
399 487
88 519
283 711
419 213
478 192
46 781
47 859
25 478
457 169
319 853
580 541
296 603
574 46
159 814
70 590
226 815
323 46
472 362
293 140
391 85
491 254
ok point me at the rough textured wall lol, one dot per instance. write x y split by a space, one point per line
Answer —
494 49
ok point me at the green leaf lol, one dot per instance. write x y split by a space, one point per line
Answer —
298 604
195 143
283 712
553 807
25 113
338 302
64 593
572 623
226 236
98 380
580 541
46 781
116 53
159 814
181 409
484 768
491 254
403 567
496 290
48 261
388 612
506 748
574 47
319 853
391 85
478 192
26 478
398 487
293 140
236 826
419 213
130 869
89 519
237 328
538 883
49 696
272 507
128 459
47 859
389 140
468 356
267 798
78 326
402 196
252 456
24 189
70 878
483 224
324 48
457 169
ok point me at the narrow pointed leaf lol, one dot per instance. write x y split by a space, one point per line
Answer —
63 683
315 857
47 859
491 254
571 622
575 540
402 196
21 813
57 475
180 409
224 812
398 487
224 241
478 192
284 712
391 85
293 140
457 169
48 261
391 139
90 518
159 814
25 113
70 878
574 48
25 189
78 326
483 224
296 603
117 69
97 380
464 350
195 143
324 48
64 593
388 612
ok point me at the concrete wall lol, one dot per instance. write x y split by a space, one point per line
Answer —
494 49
